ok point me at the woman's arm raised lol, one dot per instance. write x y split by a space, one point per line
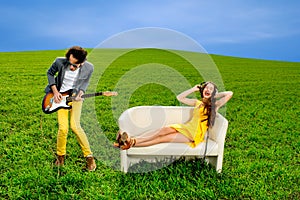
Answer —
182 96
223 97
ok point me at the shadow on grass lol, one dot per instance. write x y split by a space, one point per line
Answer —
167 180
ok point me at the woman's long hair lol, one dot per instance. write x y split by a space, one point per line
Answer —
209 104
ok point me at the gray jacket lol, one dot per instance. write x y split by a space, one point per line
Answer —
59 66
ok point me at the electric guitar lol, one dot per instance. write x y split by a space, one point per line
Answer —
49 106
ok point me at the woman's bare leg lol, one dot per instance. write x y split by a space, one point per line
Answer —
164 138
160 132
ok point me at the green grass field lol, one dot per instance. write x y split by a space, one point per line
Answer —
261 158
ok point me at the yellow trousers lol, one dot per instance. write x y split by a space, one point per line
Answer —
63 128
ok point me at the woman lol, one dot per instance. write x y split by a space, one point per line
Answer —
191 132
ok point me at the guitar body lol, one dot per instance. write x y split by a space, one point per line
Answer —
49 106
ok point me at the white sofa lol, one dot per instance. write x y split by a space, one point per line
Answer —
143 120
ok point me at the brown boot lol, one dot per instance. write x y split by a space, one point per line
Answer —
118 140
128 144
121 139
124 141
60 160
91 164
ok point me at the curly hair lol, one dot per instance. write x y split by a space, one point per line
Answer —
209 103
78 52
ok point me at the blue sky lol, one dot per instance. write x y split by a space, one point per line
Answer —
267 29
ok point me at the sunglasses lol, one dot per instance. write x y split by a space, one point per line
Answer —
75 66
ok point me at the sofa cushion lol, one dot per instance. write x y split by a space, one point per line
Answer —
177 149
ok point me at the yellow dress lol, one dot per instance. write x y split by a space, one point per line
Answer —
195 128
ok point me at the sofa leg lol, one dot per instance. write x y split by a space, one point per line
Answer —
124 161
216 161
219 163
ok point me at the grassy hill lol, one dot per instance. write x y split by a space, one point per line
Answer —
261 159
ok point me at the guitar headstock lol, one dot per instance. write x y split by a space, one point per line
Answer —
109 93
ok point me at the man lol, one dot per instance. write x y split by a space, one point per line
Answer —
73 73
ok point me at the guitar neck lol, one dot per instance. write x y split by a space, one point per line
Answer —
86 96
92 95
